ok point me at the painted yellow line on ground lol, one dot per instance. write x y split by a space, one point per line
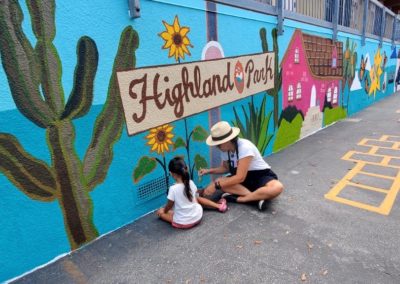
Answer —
377 175
388 195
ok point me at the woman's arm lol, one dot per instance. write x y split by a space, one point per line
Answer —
241 173
222 169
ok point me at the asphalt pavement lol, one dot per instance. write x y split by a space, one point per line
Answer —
336 222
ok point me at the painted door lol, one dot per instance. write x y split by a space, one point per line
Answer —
313 97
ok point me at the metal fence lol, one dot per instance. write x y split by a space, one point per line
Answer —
379 20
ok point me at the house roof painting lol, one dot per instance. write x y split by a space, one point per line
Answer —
319 52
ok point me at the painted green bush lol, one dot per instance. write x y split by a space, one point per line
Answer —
288 133
34 75
255 125
334 114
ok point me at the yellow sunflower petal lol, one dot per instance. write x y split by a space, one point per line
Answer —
166 35
151 135
181 53
169 128
154 147
170 29
170 135
172 50
166 147
185 40
169 141
176 25
160 148
168 43
185 49
184 31
152 141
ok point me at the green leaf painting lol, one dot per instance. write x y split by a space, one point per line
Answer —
200 162
145 166
179 142
199 134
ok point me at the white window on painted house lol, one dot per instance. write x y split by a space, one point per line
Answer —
298 91
329 95
290 93
296 55
335 95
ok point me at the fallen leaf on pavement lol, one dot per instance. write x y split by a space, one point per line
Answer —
324 272
310 245
303 277
239 246
257 242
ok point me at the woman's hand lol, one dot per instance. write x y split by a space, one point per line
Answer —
203 172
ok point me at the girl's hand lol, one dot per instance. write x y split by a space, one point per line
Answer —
160 212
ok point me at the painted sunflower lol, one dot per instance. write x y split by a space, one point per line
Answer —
375 74
159 138
176 39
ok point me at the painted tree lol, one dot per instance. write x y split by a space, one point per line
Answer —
274 93
34 76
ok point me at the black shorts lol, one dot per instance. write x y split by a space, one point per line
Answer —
256 179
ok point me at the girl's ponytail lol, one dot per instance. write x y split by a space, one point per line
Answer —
178 166
186 182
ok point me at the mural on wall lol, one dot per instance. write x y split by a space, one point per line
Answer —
256 120
212 50
396 75
313 69
374 83
153 96
34 76
176 40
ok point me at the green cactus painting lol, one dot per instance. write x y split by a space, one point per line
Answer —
274 93
34 76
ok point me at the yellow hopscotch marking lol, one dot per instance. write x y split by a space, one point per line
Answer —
388 195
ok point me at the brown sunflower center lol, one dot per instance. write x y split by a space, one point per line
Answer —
161 136
177 38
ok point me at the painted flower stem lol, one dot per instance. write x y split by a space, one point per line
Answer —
164 166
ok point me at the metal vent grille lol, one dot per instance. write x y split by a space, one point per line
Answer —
152 189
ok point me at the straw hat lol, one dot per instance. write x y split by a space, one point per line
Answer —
221 132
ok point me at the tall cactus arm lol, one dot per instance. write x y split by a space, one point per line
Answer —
109 124
21 66
81 97
264 42
32 176
43 25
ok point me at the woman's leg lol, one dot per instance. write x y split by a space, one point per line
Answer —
271 190
167 217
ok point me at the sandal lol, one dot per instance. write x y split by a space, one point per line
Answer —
222 205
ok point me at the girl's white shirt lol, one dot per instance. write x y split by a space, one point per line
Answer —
185 211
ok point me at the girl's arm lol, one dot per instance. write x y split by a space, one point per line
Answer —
168 206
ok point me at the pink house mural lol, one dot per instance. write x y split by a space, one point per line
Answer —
312 70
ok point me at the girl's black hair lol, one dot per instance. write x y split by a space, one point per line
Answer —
232 169
178 166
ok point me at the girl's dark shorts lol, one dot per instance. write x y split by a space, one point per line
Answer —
256 179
